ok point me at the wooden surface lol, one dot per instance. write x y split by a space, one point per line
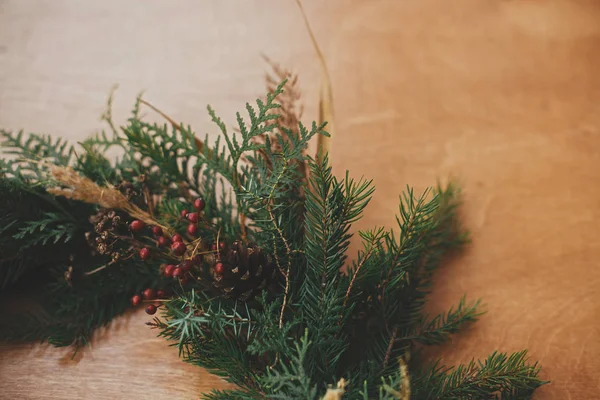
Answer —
502 94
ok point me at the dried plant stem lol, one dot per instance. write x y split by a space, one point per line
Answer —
77 187
326 95
388 353
288 250
199 143
242 217
96 270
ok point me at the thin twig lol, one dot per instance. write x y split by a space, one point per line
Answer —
326 96
96 270
390 348
360 265
242 217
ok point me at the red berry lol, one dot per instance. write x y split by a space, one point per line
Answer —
178 248
145 253
137 225
193 217
176 238
162 241
178 273
222 245
157 231
219 268
186 265
199 204
151 309
168 272
192 229
197 259
184 213
136 300
149 294
160 293
213 247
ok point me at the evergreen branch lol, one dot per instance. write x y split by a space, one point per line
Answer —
189 321
373 239
439 329
52 227
499 376
36 147
291 381
331 207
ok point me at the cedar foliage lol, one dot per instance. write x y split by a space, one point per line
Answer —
337 324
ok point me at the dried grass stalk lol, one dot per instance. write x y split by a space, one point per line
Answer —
77 187
291 108
326 94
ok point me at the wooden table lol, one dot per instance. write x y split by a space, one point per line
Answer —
502 94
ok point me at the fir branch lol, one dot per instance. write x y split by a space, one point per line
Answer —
373 241
439 329
331 207
499 376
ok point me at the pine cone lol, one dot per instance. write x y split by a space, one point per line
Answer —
106 223
245 271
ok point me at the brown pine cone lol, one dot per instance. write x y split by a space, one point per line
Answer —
244 271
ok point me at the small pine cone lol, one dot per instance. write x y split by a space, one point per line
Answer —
246 271
107 223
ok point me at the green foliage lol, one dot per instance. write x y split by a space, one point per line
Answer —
355 325
499 376
439 329
292 382
331 207
32 148
68 315
328 316
36 229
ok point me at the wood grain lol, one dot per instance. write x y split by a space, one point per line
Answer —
504 95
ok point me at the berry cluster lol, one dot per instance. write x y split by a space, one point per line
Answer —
183 258
148 295
176 242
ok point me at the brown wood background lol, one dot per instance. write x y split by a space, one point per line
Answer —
502 94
